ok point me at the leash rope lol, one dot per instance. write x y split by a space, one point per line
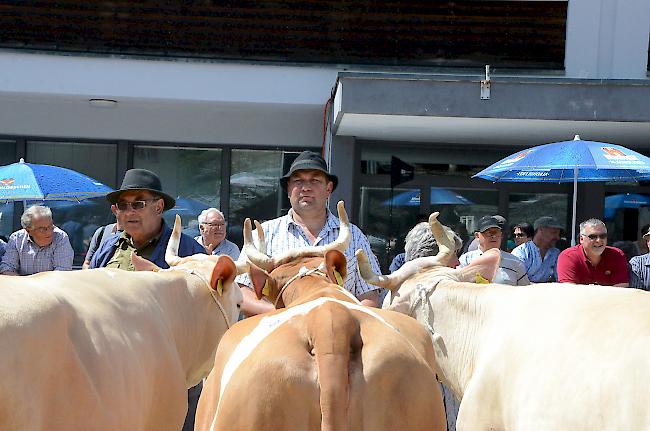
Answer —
303 272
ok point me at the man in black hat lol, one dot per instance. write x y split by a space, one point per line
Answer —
309 184
138 206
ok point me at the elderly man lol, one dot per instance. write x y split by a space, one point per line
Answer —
640 267
39 246
490 233
309 184
593 261
212 226
138 206
540 255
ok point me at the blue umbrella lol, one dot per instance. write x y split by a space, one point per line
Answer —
624 200
27 181
439 196
571 161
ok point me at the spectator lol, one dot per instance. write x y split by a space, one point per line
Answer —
421 243
39 246
212 226
473 245
399 259
102 233
641 243
640 267
593 261
309 184
138 206
522 232
540 255
511 270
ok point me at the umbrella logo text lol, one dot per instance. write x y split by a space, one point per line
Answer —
7 181
514 159
614 155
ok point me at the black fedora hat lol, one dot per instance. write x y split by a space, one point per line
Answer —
141 179
312 161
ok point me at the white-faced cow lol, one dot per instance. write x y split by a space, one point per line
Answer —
107 349
548 357
322 361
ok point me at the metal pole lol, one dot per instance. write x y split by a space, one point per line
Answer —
575 200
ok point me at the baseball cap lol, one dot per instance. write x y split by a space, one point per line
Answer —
547 221
647 234
488 222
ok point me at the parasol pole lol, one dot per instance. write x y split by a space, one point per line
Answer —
575 200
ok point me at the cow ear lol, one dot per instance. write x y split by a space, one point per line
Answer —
142 264
260 279
336 266
223 274
482 269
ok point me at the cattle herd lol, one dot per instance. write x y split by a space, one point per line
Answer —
107 349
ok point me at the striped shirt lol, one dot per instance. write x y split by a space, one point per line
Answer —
24 257
539 270
640 272
282 234
511 270
224 247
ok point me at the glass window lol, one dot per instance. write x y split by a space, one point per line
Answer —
627 216
78 219
527 207
386 220
191 175
255 190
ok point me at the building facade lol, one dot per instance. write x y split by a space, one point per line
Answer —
219 98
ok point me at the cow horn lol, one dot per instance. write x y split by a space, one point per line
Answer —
251 252
171 254
393 281
444 238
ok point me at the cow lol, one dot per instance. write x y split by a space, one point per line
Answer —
321 361
547 357
107 349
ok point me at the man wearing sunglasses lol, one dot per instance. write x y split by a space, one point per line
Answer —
593 261
138 206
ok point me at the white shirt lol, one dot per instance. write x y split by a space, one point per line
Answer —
511 269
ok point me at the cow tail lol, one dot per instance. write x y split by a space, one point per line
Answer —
335 337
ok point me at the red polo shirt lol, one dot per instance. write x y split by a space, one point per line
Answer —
573 267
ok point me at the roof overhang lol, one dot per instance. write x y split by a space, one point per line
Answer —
520 111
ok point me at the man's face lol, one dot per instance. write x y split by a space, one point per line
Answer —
308 190
594 240
213 229
549 236
490 238
42 231
142 224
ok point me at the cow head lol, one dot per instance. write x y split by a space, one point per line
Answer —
428 271
287 277
217 272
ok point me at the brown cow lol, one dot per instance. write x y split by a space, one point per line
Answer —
107 349
322 361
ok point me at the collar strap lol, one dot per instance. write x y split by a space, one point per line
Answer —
207 285
303 272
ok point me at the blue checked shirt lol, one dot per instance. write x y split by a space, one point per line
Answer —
539 270
282 234
24 257
640 272
224 247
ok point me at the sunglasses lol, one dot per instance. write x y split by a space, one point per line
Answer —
520 235
135 205
595 236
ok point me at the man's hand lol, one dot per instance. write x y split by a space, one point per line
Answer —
252 306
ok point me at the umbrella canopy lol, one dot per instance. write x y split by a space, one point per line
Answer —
571 161
439 196
624 200
27 181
